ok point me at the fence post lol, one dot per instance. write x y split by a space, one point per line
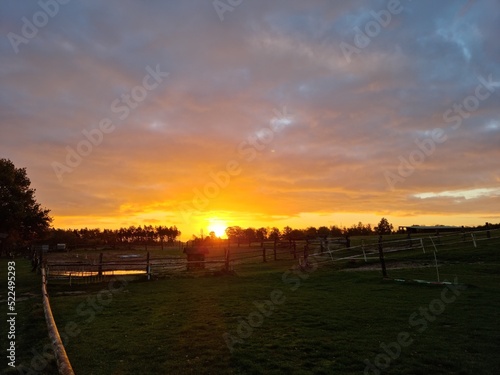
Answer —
363 248
474 240
99 272
422 244
264 254
228 258
488 234
148 267
435 259
438 237
381 256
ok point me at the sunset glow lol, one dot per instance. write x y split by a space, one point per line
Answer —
218 227
169 114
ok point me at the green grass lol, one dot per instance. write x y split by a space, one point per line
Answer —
31 331
329 323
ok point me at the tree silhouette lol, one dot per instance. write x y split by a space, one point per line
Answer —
261 235
21 218
323 232
274 234
384 227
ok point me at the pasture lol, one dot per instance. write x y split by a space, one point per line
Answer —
275 318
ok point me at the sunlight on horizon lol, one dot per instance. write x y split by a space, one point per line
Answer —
218 227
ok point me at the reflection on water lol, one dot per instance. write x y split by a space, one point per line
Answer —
95 273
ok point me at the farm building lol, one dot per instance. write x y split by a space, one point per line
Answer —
430 229
195 257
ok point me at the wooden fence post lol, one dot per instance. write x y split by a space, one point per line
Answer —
347 241
474 240
148 267
381 256
99 272
227 256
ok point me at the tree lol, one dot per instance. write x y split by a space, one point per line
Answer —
323 232
250 235
274 234
311 232
335 231
234 234
286 233
261 234
297 234
22 219
173 233
384 227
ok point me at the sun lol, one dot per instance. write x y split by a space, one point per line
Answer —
218 227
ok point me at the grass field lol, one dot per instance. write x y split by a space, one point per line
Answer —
324 321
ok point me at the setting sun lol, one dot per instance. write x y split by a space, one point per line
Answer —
218 227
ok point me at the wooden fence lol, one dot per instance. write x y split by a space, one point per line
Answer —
62 359
214 259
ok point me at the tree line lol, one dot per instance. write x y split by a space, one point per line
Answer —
248 235
146 234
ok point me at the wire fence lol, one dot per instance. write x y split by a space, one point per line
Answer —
419 248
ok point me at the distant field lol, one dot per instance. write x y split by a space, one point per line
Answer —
324 321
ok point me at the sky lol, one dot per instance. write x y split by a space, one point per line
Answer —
254 113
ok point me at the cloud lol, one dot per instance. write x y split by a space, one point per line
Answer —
351 121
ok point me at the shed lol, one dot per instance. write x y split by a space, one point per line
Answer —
195 257
430 229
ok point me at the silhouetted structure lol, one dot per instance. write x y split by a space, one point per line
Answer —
195 257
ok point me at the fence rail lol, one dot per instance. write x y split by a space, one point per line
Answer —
62 359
